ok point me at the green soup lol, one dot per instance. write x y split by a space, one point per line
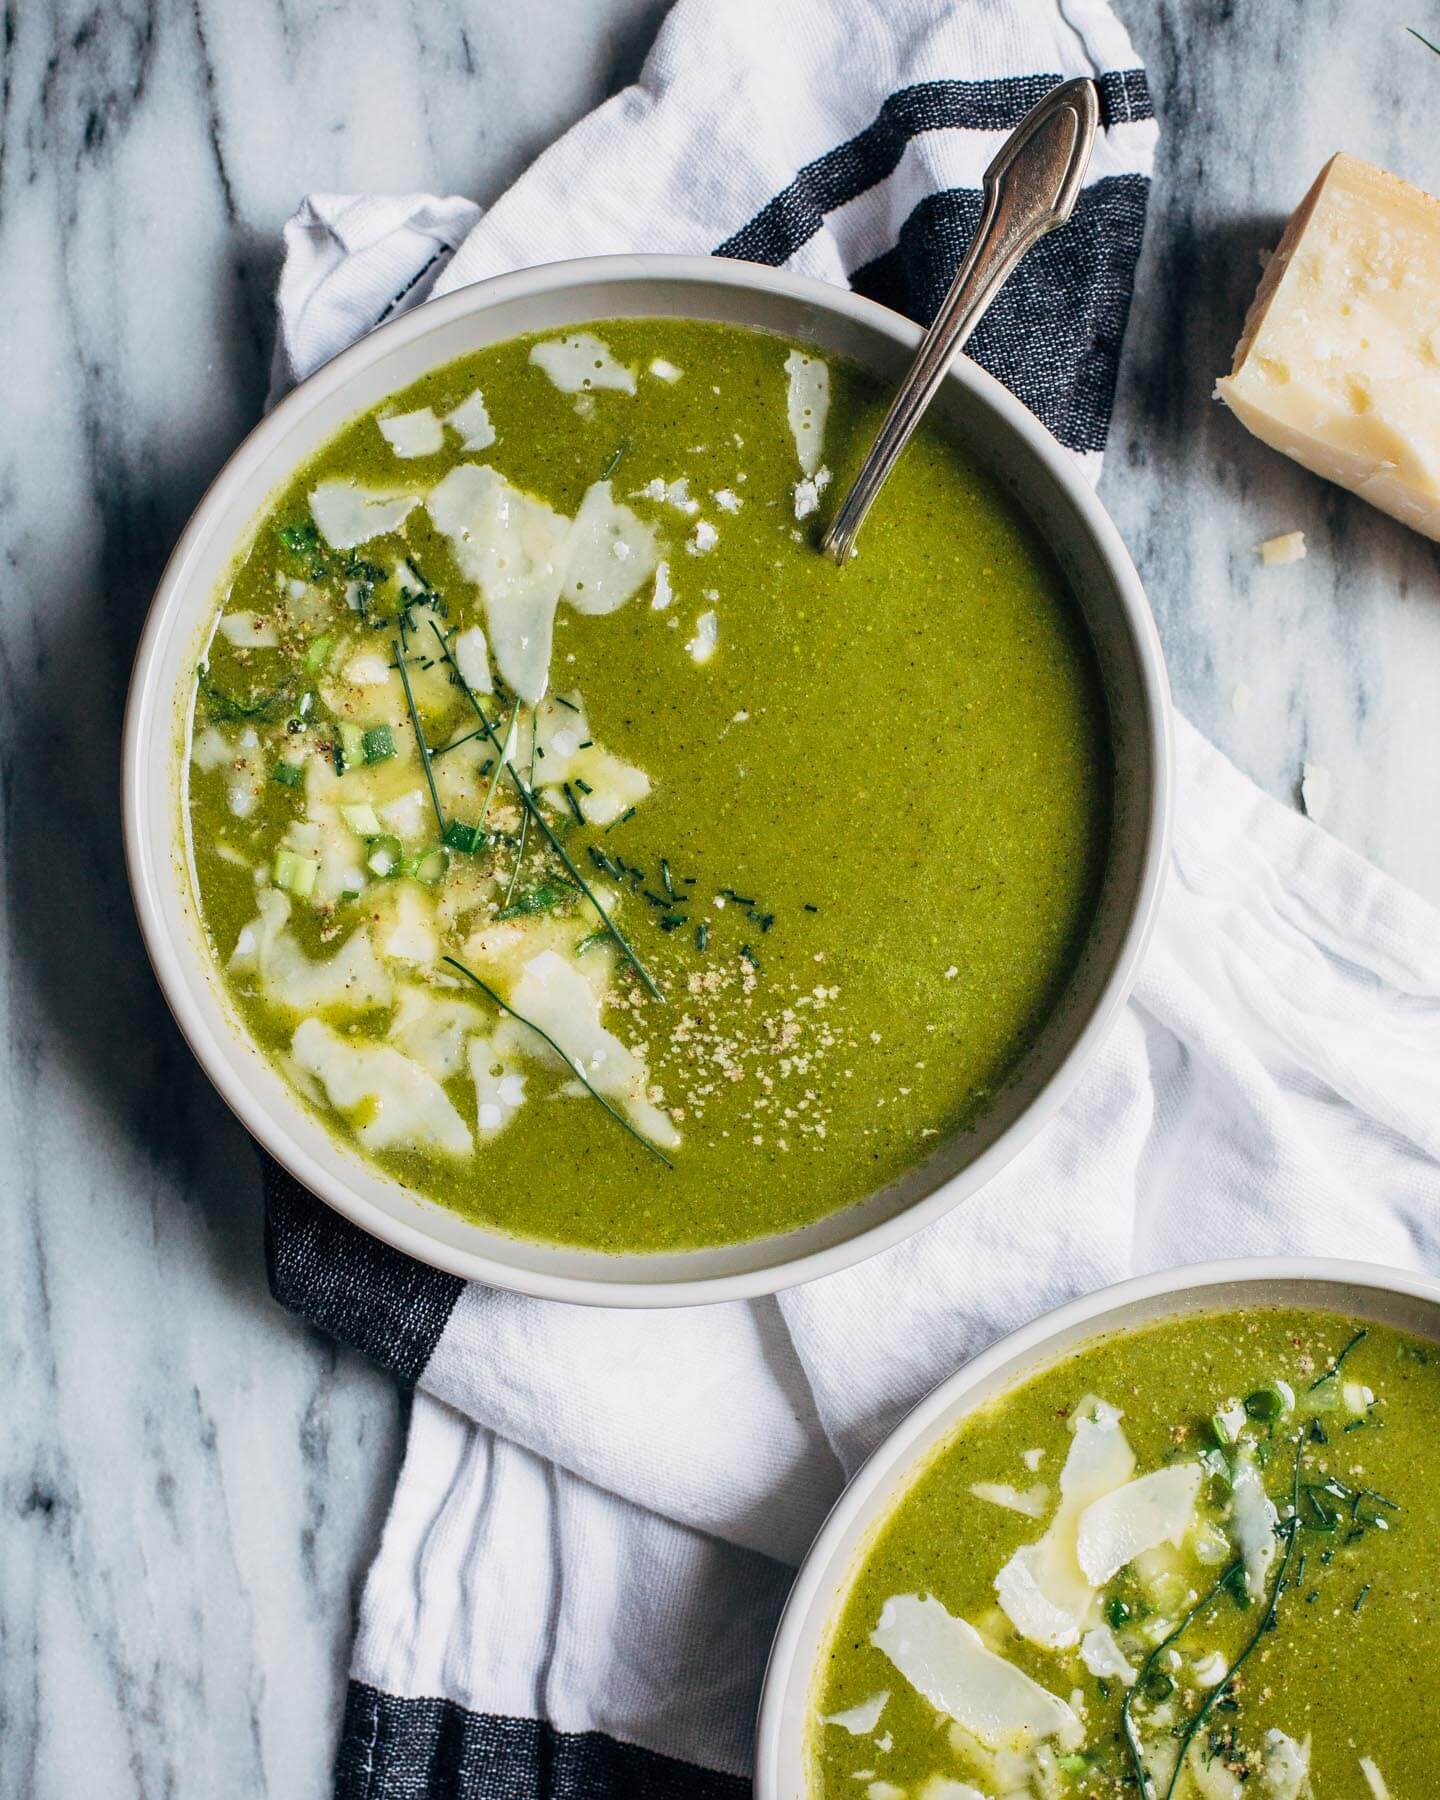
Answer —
593 854
1197 1560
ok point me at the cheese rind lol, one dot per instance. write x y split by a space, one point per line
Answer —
1338 365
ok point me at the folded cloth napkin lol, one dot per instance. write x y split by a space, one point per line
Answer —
599 1512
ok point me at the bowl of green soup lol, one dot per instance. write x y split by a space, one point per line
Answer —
1171 1542
566 871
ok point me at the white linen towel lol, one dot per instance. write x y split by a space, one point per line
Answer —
599 1512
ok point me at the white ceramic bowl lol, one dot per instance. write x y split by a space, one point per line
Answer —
1018 450
1411 1302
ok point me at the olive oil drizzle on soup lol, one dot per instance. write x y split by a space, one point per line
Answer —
1190 1562
594 855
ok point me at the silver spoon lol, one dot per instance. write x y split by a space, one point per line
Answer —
1030 188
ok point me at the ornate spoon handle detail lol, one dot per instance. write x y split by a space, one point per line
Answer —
1030 189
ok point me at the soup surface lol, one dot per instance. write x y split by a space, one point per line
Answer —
592 853
1197 1560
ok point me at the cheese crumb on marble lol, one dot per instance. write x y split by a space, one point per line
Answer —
1288 547
1316 787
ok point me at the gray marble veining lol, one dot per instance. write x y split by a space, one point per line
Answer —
190 1483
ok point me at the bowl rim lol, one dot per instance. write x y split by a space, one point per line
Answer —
148 874
827 1562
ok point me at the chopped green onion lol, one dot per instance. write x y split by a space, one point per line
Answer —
465 838
362 820
288 774
384 857
318 651
296 874
352 747
430 866
377 744
1266 1404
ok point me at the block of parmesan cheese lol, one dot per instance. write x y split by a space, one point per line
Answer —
1339 361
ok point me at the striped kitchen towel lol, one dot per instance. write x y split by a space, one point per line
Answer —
599 1512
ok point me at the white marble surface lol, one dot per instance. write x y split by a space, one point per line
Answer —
190 1483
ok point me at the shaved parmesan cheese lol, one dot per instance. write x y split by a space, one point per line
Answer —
1252 1523
512 546
471 418
352 980
1374 1778
417 433
472 658
664 370
1103 1657
945 1660
860 1720
568 753
945 1787
1286 1766
323 837
663 593
556 996
407 816
410 934
1156 1509
366 669
1210 1671
248 631
1030 1501
1210 1777
807 401
210 749
246 777
431 1028
346 515
499 1087
707 635
609 554
581 361
391 1102
807 492
1042 1590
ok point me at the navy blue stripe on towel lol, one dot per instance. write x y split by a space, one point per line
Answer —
435 1750
798 211
371 1297
1053 333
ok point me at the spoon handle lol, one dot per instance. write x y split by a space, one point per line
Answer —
1030 188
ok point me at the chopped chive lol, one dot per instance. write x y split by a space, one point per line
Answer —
569 705
629 813
1360 1598
420 743
524 821
589 742
1424 40
564 1056
528 801
1336 1366
665 878
810 908
455 744
377 744
702 936
584 786
615 460
573 803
